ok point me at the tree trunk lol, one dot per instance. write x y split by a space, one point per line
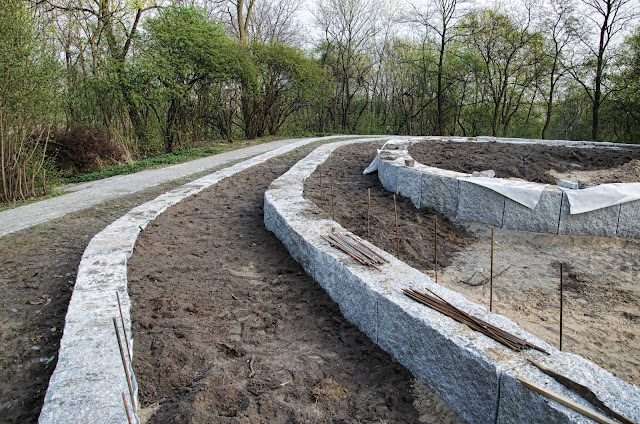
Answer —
440 71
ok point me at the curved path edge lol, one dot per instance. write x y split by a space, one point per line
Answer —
89 378
473 374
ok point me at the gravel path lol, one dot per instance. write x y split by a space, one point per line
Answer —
85 195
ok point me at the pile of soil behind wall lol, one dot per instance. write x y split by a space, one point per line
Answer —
531 162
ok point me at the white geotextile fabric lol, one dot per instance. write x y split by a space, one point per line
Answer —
526 193
601 196
373 166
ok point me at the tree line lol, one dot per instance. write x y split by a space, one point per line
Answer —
92 82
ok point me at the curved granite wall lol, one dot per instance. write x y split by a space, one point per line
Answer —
459 199
474 374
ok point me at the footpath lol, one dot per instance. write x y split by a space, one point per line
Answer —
85 195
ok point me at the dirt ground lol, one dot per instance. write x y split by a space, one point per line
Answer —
533 162
601 297
229 328
602 317
37 272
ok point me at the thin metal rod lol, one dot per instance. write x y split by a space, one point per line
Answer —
491 276
321 197
498 334
124 361
126 408
368 213
333 212
124 330
561 295
395 208
435 244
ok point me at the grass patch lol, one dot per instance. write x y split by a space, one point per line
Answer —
178 156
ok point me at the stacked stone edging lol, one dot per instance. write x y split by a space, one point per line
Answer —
89 378
473 374
461 200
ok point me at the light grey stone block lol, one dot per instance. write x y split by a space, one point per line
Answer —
479 204
388 175
440 193
409 184
601 222
568 184
629 223
519 404
426 344
544 218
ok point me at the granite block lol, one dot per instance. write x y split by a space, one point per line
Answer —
519 404
388 175
544 218
629 223
440 193
480 204
409 184
430 346
601 222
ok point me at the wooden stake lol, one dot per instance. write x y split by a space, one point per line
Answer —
395 208
368 213
561 295
563 400
333 213
126 408
491 276
435 244
124 330
124 362
321 198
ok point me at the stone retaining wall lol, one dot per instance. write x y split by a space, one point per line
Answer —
473 374
89 378
440 189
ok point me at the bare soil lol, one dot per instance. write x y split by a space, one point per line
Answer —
39 264
229 328
37 272
601 297
531 162
342 176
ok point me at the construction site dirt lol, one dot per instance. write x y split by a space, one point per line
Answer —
601 294
538 163
228 328
336 371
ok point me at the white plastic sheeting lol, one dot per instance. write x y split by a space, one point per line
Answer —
602 196
524 192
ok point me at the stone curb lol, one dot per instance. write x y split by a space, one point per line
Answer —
89 378
440 189
472 373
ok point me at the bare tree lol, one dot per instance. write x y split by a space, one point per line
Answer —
276 21
440 17
558 24
240 13
603 21
350 30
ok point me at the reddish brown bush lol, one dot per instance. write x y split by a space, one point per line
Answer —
81 149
